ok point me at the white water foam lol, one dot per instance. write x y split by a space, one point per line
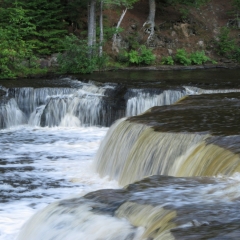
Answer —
142 101
41 165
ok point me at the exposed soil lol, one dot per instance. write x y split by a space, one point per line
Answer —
197 31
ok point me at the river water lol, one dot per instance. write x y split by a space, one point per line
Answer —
41 165
50 134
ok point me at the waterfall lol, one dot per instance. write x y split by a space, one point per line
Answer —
145 152
10 114
206 160
84 105
116 146
155 220
190 90
75 219
28 99
158 208
141 100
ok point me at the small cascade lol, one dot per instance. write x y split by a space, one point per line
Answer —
140 100
74 219
206 160
84 105
28 99
183 140
157 208
10 114
190 90
35 117
89 104
155 220
116 146
143 151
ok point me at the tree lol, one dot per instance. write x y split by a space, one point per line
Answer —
126 4
91 22
150 23
15 51
101 29
48 17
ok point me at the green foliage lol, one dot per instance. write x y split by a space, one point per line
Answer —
71 8
226 44
196 58
184 12
101 61
76 58
236 4
125 3
199 57
110 31
167 60
147 56
47 17
40 21
133 57
16 57
142 56
182 57
236 54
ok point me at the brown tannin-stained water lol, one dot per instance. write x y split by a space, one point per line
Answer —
167 168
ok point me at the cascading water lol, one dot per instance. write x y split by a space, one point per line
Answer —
10 114
140 100
51 135
161 142
81 106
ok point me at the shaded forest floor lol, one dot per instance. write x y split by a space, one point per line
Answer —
195 29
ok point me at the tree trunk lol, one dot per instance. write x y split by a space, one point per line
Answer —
150 23
114 45
91 22
101 29
95 28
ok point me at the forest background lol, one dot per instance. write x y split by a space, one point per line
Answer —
81 36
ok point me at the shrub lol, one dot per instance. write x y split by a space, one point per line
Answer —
182 57
167 60
146 56
199 57
133 57
143 56
225 45
78 57
101 61
236 54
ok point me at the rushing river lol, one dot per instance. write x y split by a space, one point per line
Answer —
62 169
41 165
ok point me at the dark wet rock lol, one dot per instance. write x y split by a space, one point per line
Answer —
2 93
218 115
180 204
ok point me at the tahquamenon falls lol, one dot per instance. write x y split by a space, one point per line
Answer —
121 156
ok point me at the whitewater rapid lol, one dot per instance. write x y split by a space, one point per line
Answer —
42 165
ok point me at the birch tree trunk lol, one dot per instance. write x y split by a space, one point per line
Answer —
91 23
114 45
150 23
101 29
